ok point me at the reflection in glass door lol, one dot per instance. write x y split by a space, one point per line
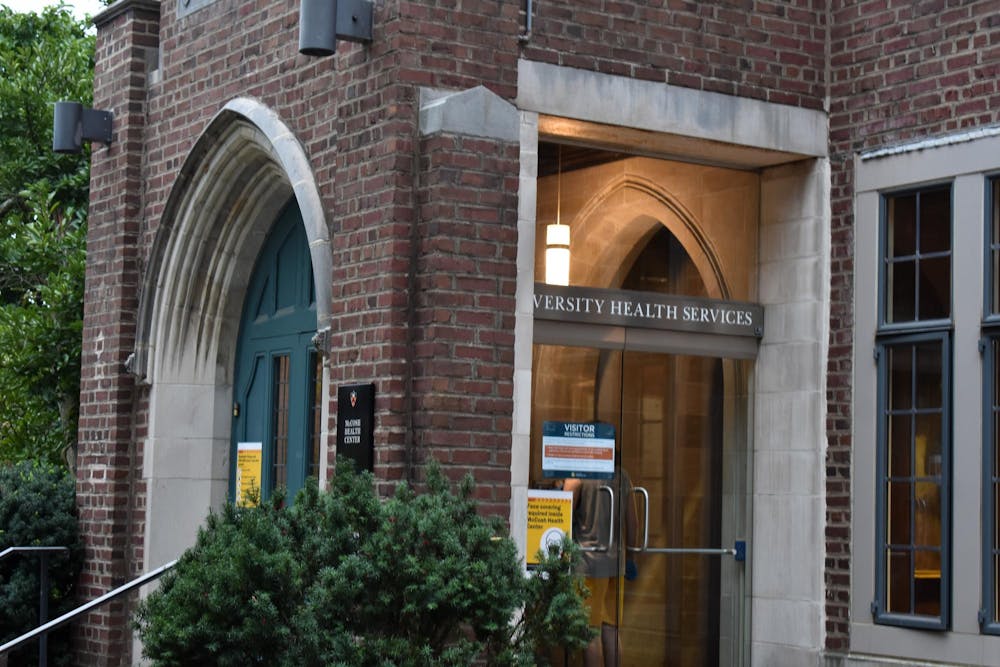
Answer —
680 495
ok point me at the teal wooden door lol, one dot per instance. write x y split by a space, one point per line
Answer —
277 390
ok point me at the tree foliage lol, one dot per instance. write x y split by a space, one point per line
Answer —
37 508
44 57
342 578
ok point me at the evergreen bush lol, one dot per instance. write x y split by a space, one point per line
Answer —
344 578
37 508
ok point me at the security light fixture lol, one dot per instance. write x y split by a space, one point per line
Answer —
322 22
72 124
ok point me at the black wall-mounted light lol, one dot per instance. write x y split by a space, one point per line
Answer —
323 22
72 124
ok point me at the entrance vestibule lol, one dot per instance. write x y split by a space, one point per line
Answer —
679 407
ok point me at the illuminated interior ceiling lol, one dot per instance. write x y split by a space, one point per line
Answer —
586 144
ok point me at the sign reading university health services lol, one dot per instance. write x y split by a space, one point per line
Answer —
650 310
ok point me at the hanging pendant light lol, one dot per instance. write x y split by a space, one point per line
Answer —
557 240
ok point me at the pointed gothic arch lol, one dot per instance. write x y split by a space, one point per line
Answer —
653 207
245 169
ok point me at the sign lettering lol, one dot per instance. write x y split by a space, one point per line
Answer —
647 310
356 424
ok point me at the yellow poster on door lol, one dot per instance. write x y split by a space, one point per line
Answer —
249 462
550 519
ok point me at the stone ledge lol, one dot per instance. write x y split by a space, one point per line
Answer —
476 112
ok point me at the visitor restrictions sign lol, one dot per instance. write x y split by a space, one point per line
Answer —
578 449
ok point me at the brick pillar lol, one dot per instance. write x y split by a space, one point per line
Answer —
383 249
463 362
107 465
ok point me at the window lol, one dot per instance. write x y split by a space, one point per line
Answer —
913 342
989 615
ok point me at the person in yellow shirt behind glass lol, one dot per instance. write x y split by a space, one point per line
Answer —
600 542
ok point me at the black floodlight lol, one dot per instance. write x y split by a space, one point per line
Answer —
323 22
72 124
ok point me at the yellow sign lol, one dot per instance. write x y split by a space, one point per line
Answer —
249 460
550 519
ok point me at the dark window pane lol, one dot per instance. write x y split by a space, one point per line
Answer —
899 581
994 524
918 256
900 446
935 288
316 411
279 407
929 375
996 372
900 377
996 585
996 442
935 221
899 513
927 520
902 306
927 586
902 234
995 267
996 543
995 226
928 445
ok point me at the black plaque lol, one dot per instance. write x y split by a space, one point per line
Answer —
356 424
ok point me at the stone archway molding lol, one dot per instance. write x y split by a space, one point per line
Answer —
655 207
243 169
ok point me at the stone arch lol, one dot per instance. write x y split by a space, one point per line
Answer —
654 207
245 168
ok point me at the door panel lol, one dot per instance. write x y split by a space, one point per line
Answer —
671 445
276 398
680 425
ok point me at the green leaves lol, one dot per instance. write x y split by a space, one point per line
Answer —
43 202
344 578
37 508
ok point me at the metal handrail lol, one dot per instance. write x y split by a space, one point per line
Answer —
10 551
86 607
43 590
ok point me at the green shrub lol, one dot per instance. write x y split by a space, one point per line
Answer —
37 508
343 578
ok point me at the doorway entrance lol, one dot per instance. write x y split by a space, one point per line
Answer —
652 338
277 395
673 558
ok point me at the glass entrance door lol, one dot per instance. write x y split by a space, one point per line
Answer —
679 498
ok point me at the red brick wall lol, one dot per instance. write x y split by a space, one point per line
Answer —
899 71
464 301
415 243
106 464
375 238
772 51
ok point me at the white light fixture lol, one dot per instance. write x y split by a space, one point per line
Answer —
557 240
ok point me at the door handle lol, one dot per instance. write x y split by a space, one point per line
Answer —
611 523
645 519
692 550
738 551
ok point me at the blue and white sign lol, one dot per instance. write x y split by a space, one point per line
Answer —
578 449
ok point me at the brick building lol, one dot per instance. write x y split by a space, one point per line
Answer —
781 220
